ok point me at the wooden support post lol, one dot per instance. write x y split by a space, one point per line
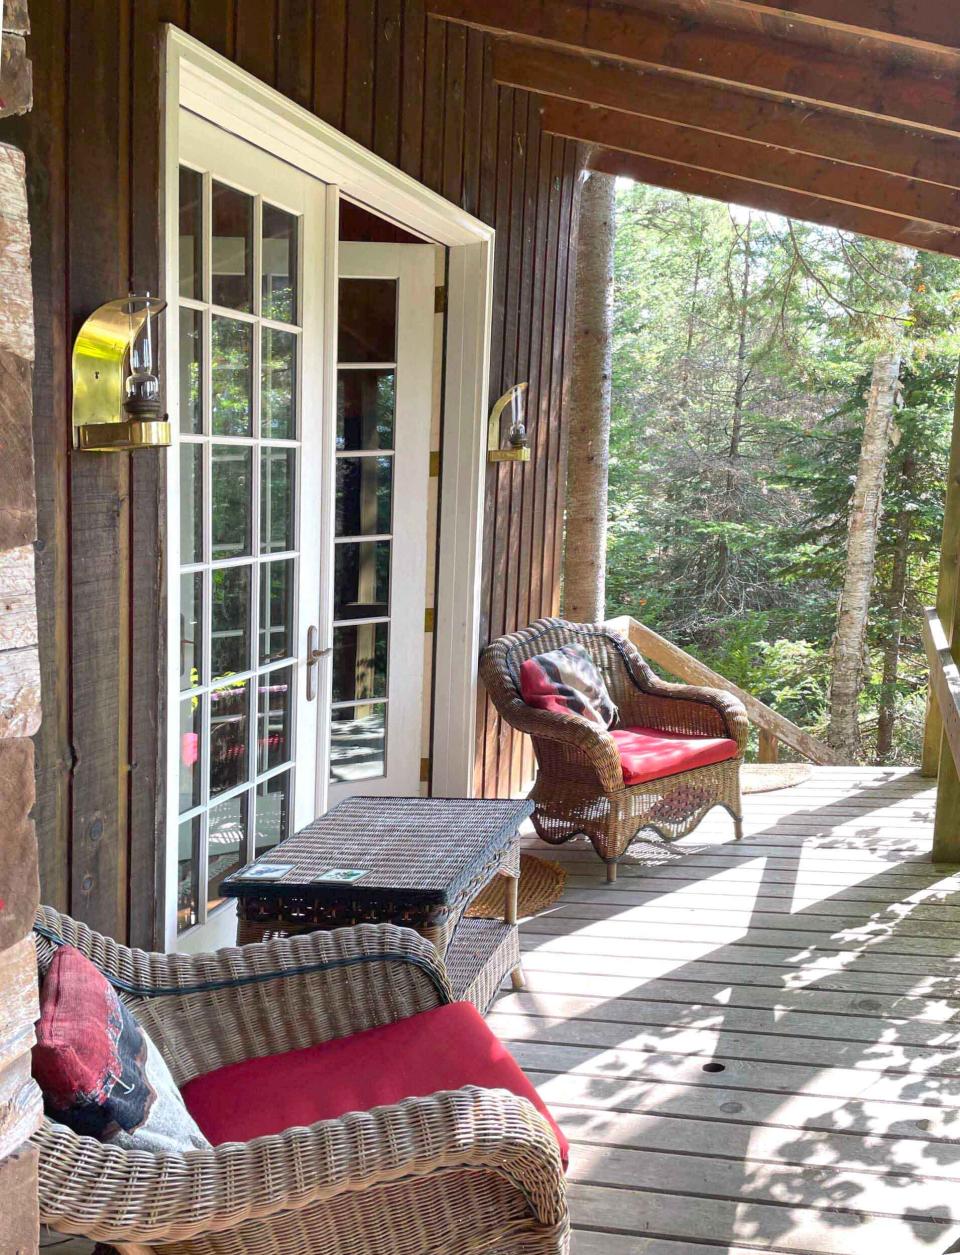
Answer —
21 1106
769 747
947 589
945 695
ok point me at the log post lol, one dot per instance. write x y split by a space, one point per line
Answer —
769 747
588 453
946 589
946 822
21 1108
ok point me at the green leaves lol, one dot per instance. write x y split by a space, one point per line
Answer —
739 555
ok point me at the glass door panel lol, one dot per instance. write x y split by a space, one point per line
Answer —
249 506
383 419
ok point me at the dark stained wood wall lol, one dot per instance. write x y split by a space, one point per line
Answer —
420 93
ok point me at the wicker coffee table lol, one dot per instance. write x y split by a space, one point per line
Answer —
418 862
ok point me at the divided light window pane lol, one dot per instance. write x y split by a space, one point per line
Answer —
191 234
231 253
364 496
277 470
278 385
191 375
227 844
276 611
273 718
231 365
367 327
359 662
229 724
361 580
230 616
365 406
191 503
191 631
232 487
280 263
358 743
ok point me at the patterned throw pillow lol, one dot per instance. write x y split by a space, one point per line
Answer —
565 681
100 1073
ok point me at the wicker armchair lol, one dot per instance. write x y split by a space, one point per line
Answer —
579 785
464 1171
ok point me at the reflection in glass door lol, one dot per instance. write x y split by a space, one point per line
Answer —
383 419
243 476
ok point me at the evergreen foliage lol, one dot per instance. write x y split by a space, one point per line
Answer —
743 345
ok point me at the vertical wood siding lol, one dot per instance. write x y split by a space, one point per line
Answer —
421 95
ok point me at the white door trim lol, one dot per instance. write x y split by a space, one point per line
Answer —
202 81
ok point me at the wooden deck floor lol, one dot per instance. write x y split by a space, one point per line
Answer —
757 1045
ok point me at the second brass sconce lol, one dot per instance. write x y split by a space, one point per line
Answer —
517 448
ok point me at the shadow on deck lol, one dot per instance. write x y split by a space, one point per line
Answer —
757 1045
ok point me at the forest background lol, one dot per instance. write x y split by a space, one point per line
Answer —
744 349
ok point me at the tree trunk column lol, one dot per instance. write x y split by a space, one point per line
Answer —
588 407
848 645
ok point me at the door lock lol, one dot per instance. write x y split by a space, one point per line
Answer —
314 654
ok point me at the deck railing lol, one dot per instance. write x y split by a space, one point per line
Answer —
774 728
944 678
945 693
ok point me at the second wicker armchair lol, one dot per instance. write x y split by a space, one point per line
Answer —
581 785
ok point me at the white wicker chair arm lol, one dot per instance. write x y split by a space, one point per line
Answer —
119 1196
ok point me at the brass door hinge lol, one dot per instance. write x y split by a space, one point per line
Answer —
435 464
428 619
424 769
440 300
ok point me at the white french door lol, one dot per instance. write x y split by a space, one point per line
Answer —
299 510
248 510
385 378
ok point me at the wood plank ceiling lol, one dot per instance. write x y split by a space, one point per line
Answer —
841 112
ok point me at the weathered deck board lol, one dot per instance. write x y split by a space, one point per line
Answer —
814 969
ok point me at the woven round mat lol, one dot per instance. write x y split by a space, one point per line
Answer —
541 885
765 777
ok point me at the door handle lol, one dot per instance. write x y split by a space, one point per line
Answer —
314 654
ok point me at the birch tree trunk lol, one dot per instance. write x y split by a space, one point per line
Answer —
585 551
846 679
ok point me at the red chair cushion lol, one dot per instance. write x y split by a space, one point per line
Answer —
648 753
444 1048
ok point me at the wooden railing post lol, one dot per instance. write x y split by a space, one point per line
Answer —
769 751
946 590
945 695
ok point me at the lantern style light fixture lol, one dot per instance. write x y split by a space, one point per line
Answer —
116 393
517 448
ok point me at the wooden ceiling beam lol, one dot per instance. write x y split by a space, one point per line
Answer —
776 200
927 22
653 93
758 163
868 76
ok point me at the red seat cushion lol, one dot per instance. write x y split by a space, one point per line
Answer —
648 754
444 1048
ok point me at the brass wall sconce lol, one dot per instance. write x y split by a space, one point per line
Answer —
116 408
518 450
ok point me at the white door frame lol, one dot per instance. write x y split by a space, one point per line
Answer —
196 78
